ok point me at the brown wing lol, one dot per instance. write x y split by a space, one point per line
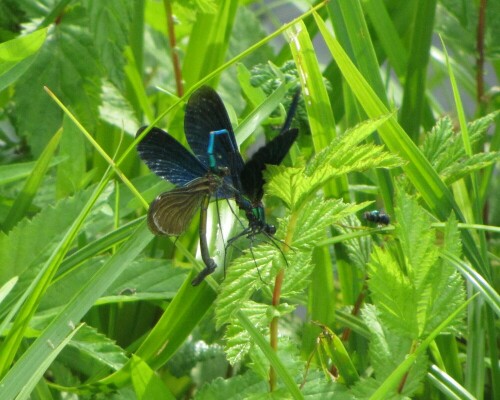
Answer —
171 212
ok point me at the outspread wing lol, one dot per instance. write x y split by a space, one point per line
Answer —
169 159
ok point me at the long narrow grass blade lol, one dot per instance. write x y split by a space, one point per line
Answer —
27 194
76 308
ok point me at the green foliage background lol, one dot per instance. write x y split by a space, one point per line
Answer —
92 305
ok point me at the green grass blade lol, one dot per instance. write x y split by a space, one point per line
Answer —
6 288
447 385
16 172
416 74
75 309
33 379
487 291
31 186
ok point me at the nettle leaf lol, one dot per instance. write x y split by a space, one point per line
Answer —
246 275
90 350
30 242
238 341
298 270
244 386
439 146
393 292
468 165
414 294
446 287
445 150
342 156
110 25
287 184
347 150
416 237
359 249
59 67
388 349
288 353
315 216
116 110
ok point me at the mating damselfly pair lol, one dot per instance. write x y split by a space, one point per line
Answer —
215 170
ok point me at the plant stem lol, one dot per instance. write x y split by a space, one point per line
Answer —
173 48
480 52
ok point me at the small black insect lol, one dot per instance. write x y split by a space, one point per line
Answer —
378 217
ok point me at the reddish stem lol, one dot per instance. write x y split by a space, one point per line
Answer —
355 311
480 51
173 48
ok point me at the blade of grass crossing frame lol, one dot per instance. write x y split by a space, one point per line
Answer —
351 15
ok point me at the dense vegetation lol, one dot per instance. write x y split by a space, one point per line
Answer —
397 114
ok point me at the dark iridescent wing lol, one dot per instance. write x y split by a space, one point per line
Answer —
205 113
171 212
167 158
272 153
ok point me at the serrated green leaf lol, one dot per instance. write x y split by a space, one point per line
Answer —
387 350
445 149
76 82
466 166
415 296
393 293
244 278
24 244
116 110
358 248
238 339
109 23
342 156
237 387
90 346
